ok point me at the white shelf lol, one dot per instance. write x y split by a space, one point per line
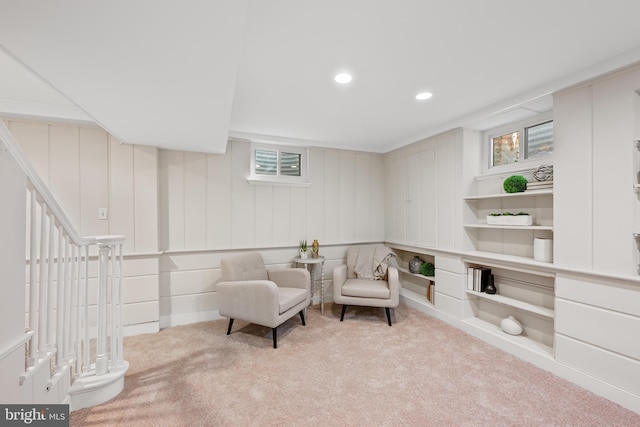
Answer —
420 276
519 340
511 227
522 305
543 192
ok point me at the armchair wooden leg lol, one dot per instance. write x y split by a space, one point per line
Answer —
386 309
275 337
302 317
344 308
230 325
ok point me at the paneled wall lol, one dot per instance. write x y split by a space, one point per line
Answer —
86 169
425 182
595 125
595 215
207 203
182 211
208 211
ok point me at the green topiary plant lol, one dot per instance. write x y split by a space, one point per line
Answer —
428 269
515 184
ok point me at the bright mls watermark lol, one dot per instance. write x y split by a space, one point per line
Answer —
34 415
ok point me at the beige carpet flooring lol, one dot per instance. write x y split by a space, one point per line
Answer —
361 372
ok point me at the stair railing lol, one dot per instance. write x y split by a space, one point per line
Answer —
74 320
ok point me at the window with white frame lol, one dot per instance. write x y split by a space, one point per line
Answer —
278 164
524 141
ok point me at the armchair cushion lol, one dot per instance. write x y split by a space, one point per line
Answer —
289 297
366 288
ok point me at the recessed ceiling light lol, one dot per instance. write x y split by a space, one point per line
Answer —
423 95
343 78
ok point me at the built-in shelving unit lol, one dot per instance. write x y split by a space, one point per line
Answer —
515 240
418 287
522 292
512 302
418 276
520 340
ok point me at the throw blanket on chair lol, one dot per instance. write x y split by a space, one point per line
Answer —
372 262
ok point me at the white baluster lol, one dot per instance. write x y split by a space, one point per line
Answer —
60 304
33 282
66 307
50 284
86 308
42 284
114 325
119 320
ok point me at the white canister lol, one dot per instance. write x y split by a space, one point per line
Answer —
543 249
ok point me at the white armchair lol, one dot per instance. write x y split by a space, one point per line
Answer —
251 293
367 279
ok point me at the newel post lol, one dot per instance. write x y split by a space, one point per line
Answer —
101 356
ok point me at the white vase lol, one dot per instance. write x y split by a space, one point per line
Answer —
511 326
303 254
543 249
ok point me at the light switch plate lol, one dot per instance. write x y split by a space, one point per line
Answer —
102 213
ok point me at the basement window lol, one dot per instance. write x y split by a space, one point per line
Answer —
278 164
525 141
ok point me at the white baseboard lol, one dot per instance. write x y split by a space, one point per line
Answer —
186 318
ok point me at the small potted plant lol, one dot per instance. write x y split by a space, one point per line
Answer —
303 249
508 218
515 184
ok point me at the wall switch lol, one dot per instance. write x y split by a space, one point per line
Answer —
102 213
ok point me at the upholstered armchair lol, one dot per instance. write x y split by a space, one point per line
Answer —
251 293
367 279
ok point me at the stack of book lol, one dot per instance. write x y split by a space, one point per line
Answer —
539 185
478 278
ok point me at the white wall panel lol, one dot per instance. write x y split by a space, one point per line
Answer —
33 138
347 206
172 189
413 185
121 211
446 201
603 328
378 197
64 158
613 295
451 284
242 198
189 282
364 193
143 312
615 369
399 178
145 165
264 219
428 197
140 289
94 180
219 200
332 196
281 217
316 195
573 157
195 202
613 133
298 216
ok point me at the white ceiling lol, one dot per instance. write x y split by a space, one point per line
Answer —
187 75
